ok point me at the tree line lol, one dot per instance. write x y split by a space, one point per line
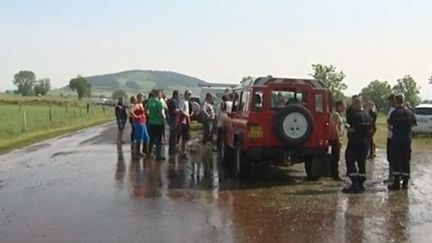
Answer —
27 84
333 79
376 91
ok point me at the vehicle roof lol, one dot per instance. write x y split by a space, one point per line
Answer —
424 106
263 81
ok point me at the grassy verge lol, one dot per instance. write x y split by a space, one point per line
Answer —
22 125
35 137
419 142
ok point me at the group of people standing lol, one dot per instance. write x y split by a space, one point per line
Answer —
148 119
360 126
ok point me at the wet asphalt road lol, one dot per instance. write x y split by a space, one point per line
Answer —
82 188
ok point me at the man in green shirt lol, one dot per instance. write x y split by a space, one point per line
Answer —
156 123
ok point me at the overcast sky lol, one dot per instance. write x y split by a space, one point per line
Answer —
218 41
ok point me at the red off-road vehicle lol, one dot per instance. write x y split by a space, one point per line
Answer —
278 120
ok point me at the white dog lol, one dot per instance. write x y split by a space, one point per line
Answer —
199 154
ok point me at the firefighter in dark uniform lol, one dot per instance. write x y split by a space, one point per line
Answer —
350 111
401 121
358 147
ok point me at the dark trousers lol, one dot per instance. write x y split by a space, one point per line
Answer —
208 132
156 132
400 155
356 154
172 140
132 136
219 138
372 145
389 159
335 157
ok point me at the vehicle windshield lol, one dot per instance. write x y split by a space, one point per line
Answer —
281 98
423 111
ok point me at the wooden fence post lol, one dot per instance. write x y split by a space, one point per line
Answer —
25 120
50 114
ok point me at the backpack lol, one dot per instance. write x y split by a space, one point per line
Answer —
201 117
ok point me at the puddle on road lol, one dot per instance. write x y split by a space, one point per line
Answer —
36 147
276 203
63 153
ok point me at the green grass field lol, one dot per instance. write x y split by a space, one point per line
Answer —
421 142
25 124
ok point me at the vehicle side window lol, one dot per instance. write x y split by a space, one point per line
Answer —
236 102
319 105
245 101
258 100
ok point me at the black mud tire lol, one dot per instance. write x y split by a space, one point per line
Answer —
317 166
288 130
225 155
241 167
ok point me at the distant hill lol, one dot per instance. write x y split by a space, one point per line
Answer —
141 81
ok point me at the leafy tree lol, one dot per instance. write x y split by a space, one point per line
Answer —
332 79
119 93
24 80
377 91
42 86
81 86
409 87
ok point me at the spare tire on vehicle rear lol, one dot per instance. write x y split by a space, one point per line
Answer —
294 125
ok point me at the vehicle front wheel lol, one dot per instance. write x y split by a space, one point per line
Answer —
241 165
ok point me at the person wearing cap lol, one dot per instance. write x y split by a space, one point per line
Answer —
358 147
184 120
401 122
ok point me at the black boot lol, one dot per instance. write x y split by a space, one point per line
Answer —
405 184
396 184
354 188
137 149
361 181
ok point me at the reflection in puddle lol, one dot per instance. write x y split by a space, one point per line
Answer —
273 206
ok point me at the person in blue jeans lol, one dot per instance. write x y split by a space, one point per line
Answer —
132 103
140 128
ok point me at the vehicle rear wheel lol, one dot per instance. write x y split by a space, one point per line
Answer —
241 165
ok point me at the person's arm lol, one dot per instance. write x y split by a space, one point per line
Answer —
413 119
117 112
132 111
161 109
183 108
205 108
